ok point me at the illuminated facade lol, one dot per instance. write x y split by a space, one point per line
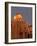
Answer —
19 28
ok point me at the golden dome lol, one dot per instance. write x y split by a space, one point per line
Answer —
19 16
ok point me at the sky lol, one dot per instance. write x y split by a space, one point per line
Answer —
26 11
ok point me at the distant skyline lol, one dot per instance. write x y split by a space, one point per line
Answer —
26 11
